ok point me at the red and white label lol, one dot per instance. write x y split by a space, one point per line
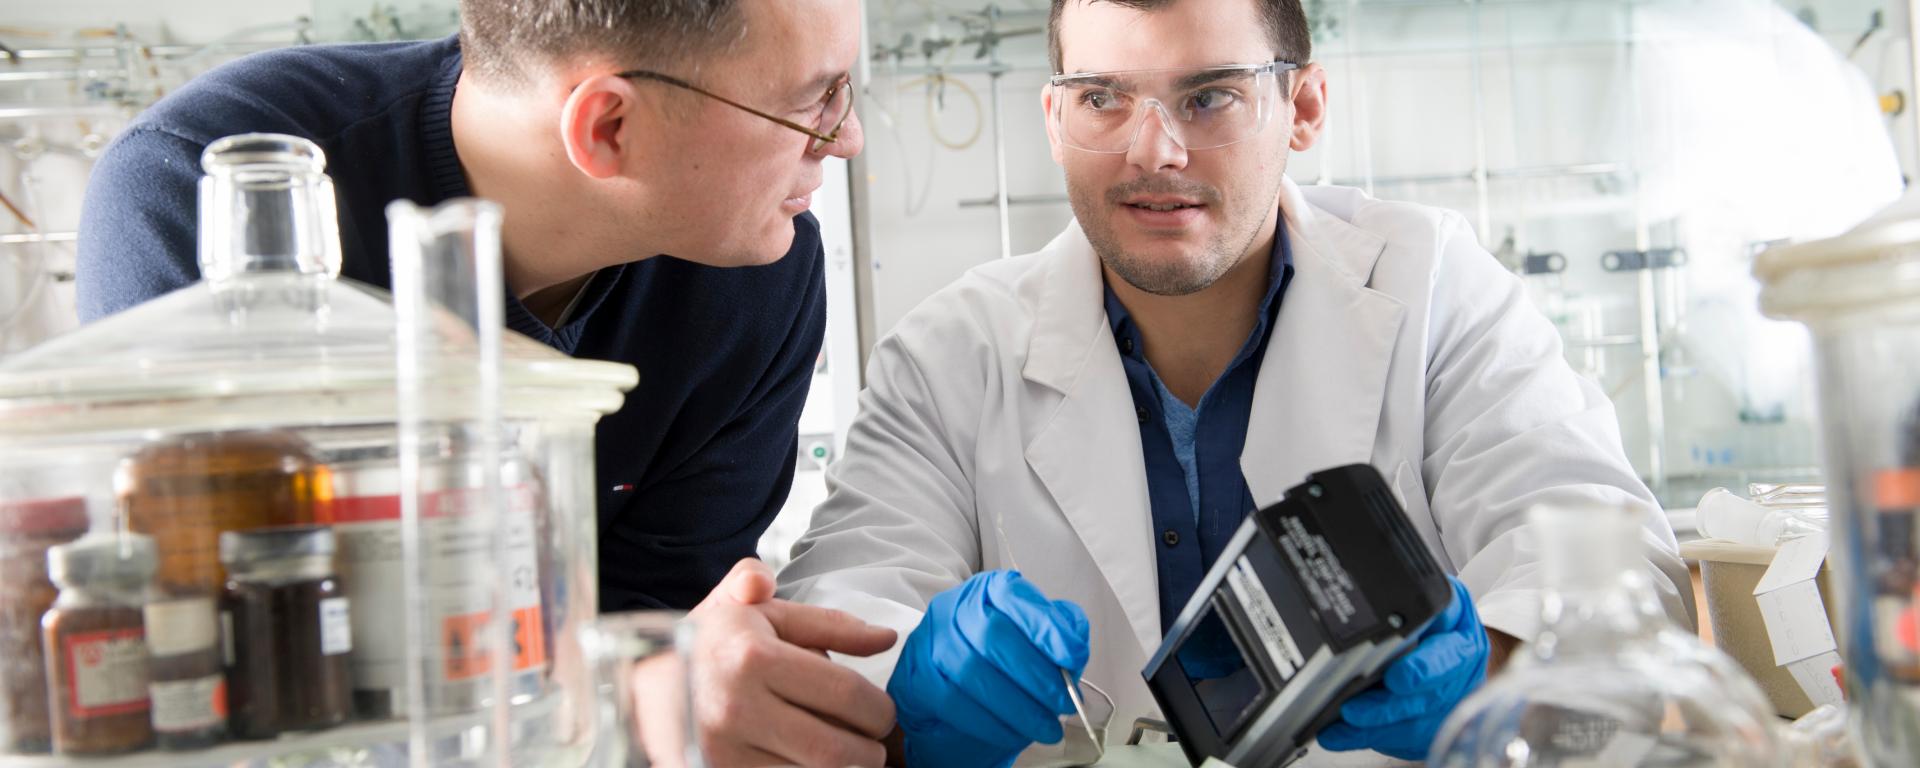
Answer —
106 673
460 566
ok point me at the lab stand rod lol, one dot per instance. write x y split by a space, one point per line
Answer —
1000 174
1499 174
1483 198
27 238
1913 58
1000 153
998 68
982 202
113 52
86 110
1620 340
60 75
1654 392
860 211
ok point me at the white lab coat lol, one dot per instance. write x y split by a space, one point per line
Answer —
1401 343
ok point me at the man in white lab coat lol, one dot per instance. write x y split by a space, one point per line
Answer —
1101 415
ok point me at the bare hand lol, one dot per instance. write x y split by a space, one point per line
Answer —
765 692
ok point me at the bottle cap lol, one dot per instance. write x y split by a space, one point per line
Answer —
239 549
124 560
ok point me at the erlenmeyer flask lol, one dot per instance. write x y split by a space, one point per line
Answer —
1609 681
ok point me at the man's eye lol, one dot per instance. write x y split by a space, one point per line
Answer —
1211 98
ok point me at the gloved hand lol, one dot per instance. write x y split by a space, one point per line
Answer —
979 679
1401 717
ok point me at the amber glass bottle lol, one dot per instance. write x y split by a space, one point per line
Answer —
186 491
291 632
96 644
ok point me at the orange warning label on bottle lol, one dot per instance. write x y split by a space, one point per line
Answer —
463 638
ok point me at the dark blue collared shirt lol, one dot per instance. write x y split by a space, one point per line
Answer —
1194 483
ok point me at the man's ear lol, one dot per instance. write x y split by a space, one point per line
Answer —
596 123
1046 116
1309 107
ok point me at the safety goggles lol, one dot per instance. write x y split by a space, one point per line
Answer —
1200 107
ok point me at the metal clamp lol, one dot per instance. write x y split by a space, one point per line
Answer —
1633 261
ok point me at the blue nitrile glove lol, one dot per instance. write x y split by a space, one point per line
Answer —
979 679
1401 717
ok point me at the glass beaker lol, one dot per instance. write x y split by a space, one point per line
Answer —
1859 295
641 662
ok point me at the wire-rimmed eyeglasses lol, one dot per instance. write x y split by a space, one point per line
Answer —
836 105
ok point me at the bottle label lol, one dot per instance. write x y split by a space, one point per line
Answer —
106 672
189 705
336 627
459 571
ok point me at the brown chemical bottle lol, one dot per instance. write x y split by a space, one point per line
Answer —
27 530
187 490
290 630
96 644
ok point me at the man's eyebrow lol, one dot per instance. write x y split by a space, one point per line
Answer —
1212 76
1093 80
1101 80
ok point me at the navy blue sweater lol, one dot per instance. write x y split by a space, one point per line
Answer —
694 466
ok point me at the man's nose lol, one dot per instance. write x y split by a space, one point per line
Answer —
1156 143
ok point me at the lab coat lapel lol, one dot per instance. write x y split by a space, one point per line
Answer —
1323 381
1088 453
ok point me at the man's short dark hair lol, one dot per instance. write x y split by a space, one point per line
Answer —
1286 25
507 39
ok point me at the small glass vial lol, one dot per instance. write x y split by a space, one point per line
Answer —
289 630
186 682
96 645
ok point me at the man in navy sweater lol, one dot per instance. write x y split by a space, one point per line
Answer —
612 131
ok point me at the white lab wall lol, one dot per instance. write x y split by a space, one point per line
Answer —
923 237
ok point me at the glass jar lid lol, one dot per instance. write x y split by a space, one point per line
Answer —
272 336
1869 267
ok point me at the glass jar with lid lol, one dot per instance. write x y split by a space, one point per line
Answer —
450 461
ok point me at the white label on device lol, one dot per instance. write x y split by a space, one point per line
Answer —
1265 618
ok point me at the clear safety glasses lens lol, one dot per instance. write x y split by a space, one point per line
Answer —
1203 108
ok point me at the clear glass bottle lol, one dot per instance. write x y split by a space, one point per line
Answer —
1609 680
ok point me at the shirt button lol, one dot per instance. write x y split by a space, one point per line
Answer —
1171 537
1126 346
1141 412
